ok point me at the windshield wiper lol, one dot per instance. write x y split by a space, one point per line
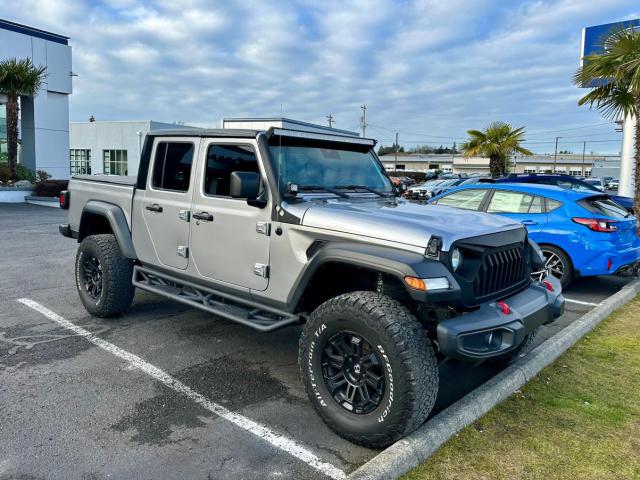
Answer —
363 187
303 188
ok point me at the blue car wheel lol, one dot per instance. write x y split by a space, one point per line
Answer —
557 263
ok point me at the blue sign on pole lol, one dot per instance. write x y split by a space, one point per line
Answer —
593 38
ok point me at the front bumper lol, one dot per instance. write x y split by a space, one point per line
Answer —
490 332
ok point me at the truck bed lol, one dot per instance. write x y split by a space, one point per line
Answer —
114 189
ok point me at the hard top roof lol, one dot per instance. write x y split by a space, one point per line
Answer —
205 132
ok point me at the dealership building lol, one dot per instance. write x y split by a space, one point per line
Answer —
111 147
44 119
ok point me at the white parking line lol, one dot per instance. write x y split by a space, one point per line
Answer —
276 439
580 302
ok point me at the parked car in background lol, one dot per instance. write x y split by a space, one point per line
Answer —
605 181
446 185
567 182
613 184
595 182
580 233
423 190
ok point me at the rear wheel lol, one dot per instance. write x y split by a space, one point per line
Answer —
557 263
368 368
103 276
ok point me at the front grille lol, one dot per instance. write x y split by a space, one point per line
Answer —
500 270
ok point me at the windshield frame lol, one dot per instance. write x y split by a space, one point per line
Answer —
324 144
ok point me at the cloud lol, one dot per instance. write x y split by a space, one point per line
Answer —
424 68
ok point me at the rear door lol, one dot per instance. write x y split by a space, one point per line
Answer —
526 208
165 203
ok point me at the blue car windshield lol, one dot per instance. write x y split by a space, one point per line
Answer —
328 168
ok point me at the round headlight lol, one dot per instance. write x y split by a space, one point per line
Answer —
456 259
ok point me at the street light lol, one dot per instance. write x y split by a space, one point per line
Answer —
555 155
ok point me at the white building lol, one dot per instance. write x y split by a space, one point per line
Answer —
281 122
44 126
109 147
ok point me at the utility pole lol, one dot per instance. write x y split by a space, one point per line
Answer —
330 120
363 120
584 149
395 162
555 156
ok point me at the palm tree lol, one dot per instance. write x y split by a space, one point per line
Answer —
497 141
615 78
18 78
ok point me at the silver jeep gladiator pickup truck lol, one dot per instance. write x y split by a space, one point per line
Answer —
282 227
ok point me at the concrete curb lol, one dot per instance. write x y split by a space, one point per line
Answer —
409 452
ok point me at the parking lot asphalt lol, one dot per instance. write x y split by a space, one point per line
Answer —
70 408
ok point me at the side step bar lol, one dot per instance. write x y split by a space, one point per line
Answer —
246 312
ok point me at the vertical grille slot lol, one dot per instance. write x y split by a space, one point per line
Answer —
500 270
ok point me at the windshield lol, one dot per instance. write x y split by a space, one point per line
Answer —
328 168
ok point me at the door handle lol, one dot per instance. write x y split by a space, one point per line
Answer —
204 216
529 222
154 208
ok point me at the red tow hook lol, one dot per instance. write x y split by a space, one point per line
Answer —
548 284
504 307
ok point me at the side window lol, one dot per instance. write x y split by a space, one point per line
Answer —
514 202
222 160
553 205
467 199
172 166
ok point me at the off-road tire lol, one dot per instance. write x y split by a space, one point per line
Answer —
409 365
117 290
519 352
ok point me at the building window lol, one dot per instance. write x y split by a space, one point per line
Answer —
400 166
575 173
529 169
80 162
587 173
115 162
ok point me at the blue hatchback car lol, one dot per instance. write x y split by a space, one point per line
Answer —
580 233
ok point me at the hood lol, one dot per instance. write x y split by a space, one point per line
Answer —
400 221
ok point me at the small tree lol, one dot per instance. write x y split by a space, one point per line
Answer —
497 141
615 75
18 78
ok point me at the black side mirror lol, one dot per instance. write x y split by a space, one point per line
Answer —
244 185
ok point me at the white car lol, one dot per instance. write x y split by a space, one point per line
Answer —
614 184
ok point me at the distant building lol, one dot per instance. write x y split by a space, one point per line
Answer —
564 163
109 147
44 125
281 122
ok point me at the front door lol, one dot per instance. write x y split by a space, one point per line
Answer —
165 203
229 238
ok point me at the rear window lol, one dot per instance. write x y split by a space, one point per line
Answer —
172 166
605 206
514 202
466 199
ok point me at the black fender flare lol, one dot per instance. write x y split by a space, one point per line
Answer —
115 217
378 258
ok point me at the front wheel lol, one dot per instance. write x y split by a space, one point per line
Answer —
557 263
103 276
368 368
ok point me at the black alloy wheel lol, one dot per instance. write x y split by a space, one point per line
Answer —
92 276
353 372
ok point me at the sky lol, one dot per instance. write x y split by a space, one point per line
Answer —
429 70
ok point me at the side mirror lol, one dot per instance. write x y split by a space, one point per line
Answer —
244 185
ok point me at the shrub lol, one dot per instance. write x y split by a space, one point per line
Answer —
24 173
50 188
5 174
41 176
